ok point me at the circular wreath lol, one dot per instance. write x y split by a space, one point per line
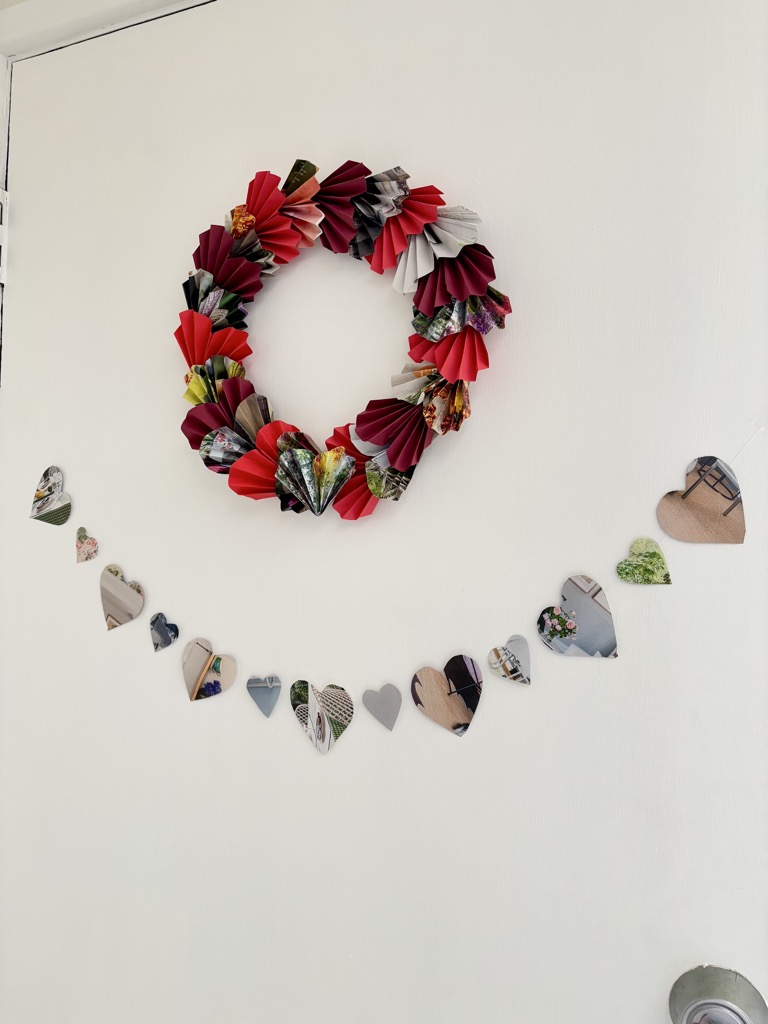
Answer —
434 251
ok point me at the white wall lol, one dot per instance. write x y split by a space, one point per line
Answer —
591 837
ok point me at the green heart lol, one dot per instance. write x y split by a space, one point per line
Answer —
646 563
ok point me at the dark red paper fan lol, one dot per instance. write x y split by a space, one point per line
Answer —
335 200
274 229
232 273
398 425
457 277
419 208
198 342
354 500
253 475
202 419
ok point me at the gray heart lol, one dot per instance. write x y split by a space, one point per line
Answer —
512 660
264 692
384 704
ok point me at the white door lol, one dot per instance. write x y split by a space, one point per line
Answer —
591 836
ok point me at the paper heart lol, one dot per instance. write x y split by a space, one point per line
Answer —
450 697
163 633
120 599
646 563
206 673
51 504
582 624
512 660
264 692
709 510
384 704
85 546
323 714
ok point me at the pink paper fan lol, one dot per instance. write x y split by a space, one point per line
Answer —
232 273
419 208
253 475
467 274
398 425
354 500
335 201
273 228
198 342
304 214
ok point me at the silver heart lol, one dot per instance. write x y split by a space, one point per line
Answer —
512 660
384 704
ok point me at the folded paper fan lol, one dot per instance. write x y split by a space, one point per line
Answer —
446 406
222 448
208 416
398 425
415 262
254 474
223 309
205 383
421 350
383 197
467 274
483 312
261 214
198 342
354 500
334 200
458 356
416 379
252 414
299 188
387 483
314 479
232 273
454 228
419 207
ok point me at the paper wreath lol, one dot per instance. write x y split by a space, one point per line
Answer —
434 252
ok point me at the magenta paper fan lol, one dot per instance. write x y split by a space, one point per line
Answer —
458 356
335 200
208 416
232 273
456 277
398 425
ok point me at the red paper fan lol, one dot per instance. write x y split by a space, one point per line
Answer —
458 356
458 277
274 229
419 208
254 474
234 390
232 273
198 342
398 425
354 500
335 200
421 350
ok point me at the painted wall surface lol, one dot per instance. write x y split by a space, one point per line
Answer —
592 836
